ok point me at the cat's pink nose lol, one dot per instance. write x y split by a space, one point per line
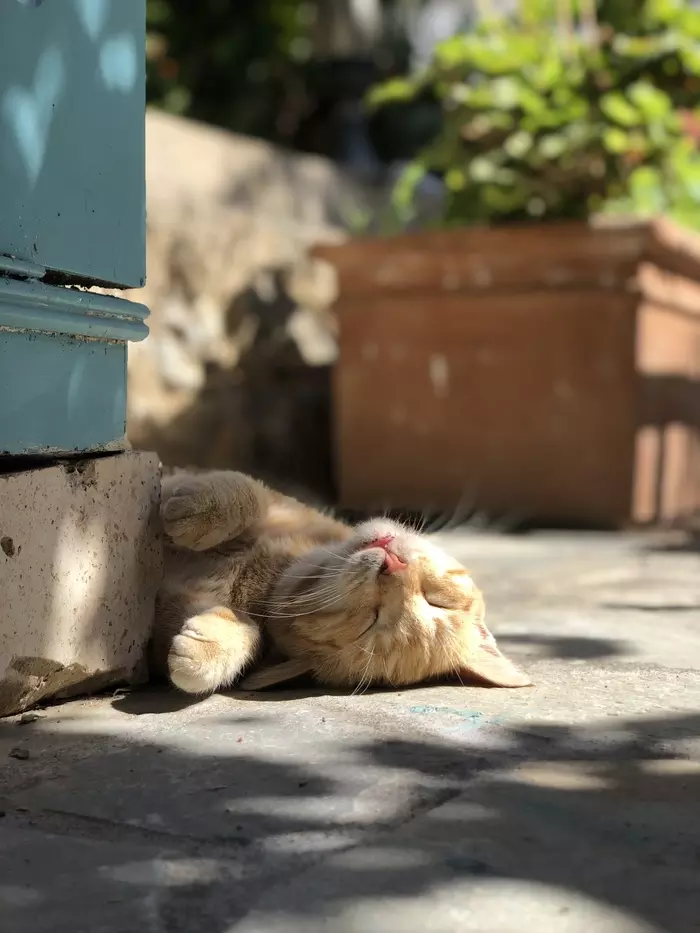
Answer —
382 542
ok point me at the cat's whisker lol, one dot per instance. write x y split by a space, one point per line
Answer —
332 573
456 659
314 576
325 567
305 597
405 522
313 597
387 675
322 607
364 681
459 513
271 615
421 524
341 596
333 554
366 673
437 524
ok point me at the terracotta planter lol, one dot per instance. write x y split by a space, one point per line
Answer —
549 373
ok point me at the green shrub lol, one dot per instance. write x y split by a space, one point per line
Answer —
223 62
562 111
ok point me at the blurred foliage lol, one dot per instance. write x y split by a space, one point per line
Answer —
567 108
233 64
256 68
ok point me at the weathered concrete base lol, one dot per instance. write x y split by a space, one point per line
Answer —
79 567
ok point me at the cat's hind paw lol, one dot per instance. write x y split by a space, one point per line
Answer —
203 510
190 513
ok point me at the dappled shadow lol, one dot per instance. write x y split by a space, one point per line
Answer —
686 543
167 699
285 184
205 828
569 647
267 413
145 701
668 447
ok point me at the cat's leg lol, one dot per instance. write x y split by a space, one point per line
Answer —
211 650
202 511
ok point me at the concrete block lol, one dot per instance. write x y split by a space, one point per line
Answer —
80 563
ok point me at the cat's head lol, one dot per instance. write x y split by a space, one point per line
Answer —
384 607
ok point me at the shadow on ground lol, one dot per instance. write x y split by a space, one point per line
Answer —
568 647
239 814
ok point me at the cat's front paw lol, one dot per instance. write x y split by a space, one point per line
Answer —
189 512
211 650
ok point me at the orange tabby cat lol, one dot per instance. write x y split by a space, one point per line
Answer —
256 582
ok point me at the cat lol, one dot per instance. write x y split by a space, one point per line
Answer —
260 589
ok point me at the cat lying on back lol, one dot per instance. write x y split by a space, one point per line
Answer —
259 584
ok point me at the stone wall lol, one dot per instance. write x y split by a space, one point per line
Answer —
236 370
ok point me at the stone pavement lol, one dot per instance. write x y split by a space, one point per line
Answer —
571 807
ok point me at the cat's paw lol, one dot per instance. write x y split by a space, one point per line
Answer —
190 512
211 650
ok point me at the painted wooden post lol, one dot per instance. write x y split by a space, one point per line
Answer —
72 214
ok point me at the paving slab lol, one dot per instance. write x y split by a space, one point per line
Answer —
569 807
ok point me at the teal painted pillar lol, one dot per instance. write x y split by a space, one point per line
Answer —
72 214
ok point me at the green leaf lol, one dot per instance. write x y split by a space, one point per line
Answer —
647 190
688 172
390 92
690 57
665 12
403 195
553 146
532 128
615 106
518 144
505 177
651 102
495 54
548 73
503 200
455 179
482 169
530 100
616 140
645 47
689 23
505 92
452 52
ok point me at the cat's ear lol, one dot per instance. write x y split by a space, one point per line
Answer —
271 674
486 662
